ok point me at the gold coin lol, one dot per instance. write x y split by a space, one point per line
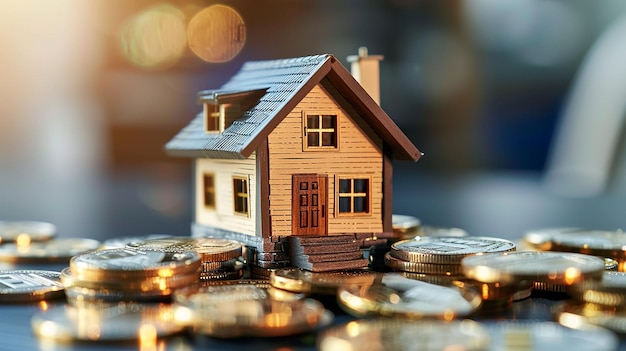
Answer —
214 249
77 295
447 250
114 322
404 226
302 281
147 284
561 268
245 310
397 296
610 264
117 264
216 34
610 291
30 285
167 244
54 250
404 335
425 268
122 242
576 314
26 231
541 239
592 242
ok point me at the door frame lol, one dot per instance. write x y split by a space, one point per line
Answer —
322 205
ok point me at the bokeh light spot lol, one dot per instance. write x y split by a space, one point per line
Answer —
216 34
155 38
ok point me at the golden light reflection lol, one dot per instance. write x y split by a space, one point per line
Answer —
353 329
572 275
147 337
155 38
217 33
43 305
22 239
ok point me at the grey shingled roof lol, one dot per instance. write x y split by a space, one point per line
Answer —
287 81
283 79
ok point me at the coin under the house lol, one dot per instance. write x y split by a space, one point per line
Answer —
105 322
59 250
404 335
397 296
302 281
20 286
26 231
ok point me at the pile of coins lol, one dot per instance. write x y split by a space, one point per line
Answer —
37 242
220 258
248 310
129 275
155 286
440 255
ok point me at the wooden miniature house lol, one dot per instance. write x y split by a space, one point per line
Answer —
293 148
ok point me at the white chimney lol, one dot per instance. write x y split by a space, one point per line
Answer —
365 70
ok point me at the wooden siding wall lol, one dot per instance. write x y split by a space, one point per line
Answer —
360 153
224 216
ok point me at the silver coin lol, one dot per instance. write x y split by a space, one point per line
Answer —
172 243
398 296
541 237
545 266
129 260
447 250
547 336
105 322
404 335
614 280
119 243
442 231
55 250
30 285
10 231
592 240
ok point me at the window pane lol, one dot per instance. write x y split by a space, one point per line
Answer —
313 121
313 139
328 139
344 186
344 204
328 121
360 204
360 186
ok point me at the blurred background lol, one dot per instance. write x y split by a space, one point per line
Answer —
518 105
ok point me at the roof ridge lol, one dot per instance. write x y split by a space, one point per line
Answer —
286 62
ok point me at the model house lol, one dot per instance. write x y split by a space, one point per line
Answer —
295 148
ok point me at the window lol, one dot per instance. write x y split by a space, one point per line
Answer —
320 131
212 118
209 190
354 195
240 189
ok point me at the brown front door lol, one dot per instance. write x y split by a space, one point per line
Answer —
308 204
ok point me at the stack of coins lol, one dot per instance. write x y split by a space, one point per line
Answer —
440 255
600 303
244 310
129 275
560 270
220 258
